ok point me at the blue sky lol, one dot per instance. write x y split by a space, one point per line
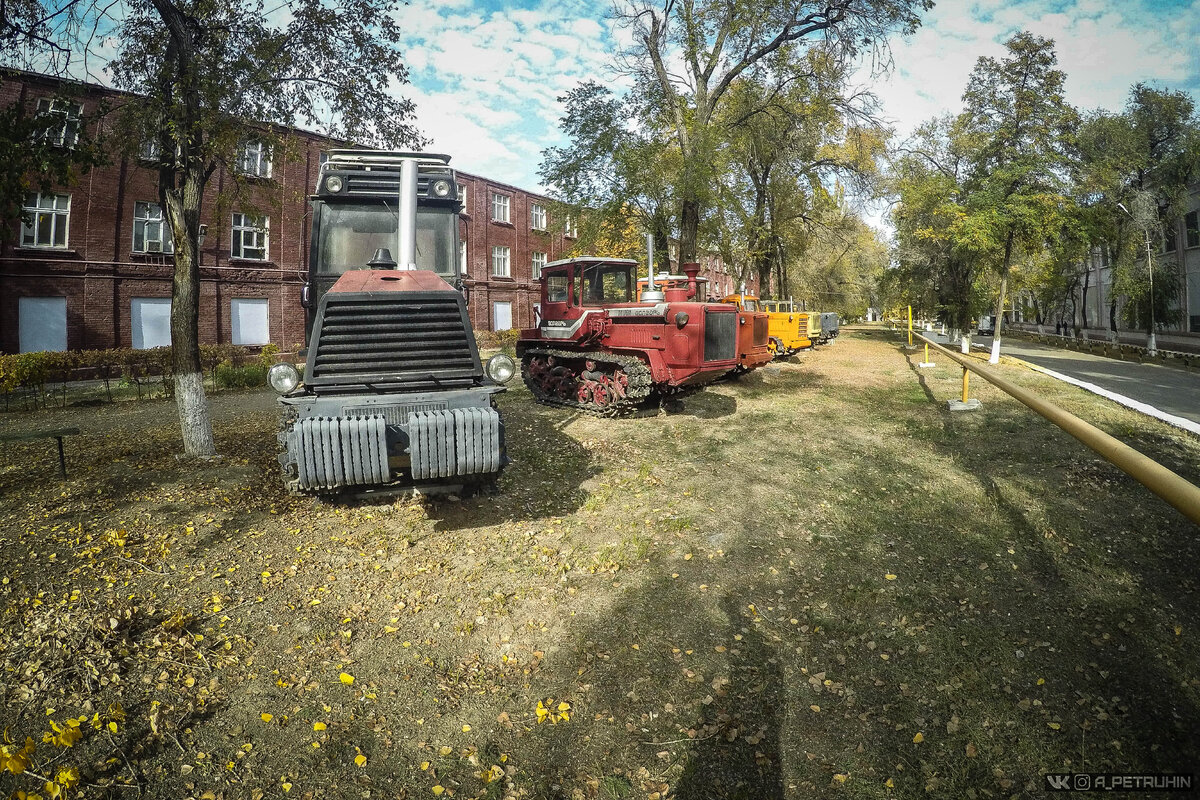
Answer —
486 74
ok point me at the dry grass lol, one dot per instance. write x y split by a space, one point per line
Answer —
771 594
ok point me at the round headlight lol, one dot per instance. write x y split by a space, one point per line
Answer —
681 319
500 368
333 184
441 188
283 377
789 317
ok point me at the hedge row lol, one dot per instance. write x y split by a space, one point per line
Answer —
29 374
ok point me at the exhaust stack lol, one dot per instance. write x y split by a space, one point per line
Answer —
406 228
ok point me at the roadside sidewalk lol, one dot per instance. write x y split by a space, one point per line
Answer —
1170 394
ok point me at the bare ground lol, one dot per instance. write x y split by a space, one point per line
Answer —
815 582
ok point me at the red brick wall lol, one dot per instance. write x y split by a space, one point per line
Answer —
99 273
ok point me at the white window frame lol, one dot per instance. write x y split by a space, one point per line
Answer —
146 217
537 217
501 263
64 133
462 258
461 194
571 228
236 334
247 228
55 207
254 160
149 150
501 206
537 262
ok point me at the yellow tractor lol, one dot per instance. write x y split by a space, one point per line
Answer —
788 328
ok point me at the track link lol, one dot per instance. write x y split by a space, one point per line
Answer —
636 371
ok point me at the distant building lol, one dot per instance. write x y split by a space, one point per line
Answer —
94 270
1090 307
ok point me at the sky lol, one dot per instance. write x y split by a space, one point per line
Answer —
486 75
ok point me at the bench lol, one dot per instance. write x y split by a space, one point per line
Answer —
58 434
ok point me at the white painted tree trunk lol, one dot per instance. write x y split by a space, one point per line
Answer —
995 359
194 420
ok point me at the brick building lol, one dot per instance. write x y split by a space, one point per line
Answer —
94 269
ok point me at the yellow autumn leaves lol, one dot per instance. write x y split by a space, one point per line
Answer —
548 711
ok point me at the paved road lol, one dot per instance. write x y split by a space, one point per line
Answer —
1174 391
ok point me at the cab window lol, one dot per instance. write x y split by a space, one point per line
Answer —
749 305
604 285
558 287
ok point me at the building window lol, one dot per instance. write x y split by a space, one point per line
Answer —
42 324
150 322
571 229
462 197
462 258
537 217
539 263
501 316
1193 229
499 207
255 160
500 262
1170 241
60 121
149 150
250 237
51 218
151 233
250 320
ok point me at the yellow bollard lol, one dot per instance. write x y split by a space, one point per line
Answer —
927 352
966 381
910 326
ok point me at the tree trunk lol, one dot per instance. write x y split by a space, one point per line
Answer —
689 225
183 206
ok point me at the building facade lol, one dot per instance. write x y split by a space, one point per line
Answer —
94 268
1091 308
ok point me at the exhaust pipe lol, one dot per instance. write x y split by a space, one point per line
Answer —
406 228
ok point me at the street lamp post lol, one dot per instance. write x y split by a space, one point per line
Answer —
1151 344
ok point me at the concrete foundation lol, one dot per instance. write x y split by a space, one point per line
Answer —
958 405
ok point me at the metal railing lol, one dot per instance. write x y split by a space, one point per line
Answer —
1168 485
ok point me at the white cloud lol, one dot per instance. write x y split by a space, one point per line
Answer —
486 79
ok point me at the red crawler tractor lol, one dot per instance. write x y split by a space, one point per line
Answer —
754 347
597 348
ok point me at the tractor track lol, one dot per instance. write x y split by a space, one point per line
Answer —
638 372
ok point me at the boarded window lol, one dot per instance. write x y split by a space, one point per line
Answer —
150 322
250 320
42 324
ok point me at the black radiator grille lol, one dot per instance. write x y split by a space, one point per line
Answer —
760 331
720 343
388 339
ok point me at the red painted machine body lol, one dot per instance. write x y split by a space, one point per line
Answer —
589 308
754 347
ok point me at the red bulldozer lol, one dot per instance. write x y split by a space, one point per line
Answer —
602 347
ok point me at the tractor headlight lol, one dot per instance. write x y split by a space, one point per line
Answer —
681 319
283 377
500 368
333 184
441 188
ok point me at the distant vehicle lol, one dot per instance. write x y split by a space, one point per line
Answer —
987 326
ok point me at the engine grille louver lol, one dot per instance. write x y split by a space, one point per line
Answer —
383 339
443 444
720 341
339 451
760 331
